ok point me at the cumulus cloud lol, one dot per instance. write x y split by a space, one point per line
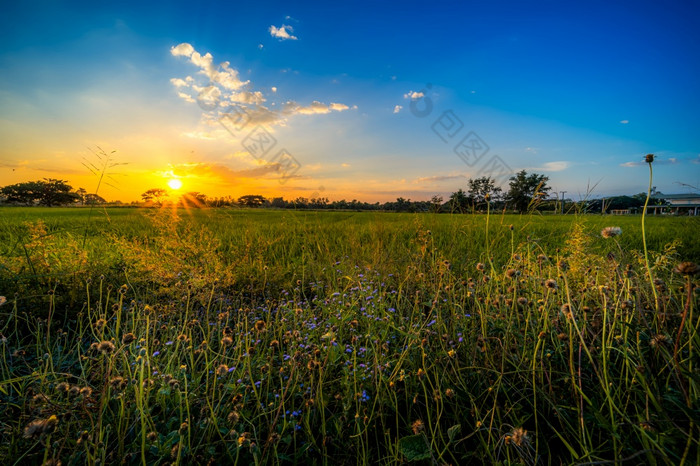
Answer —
282 32
413 95
397 108
219 89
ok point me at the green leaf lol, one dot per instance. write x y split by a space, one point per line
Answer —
415 448
453 431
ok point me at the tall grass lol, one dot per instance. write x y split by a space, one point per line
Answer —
274 338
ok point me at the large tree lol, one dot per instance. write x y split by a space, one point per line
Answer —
527 191
155 196
252 200
481 188
48 192
459 201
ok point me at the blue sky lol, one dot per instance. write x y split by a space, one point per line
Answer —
577 91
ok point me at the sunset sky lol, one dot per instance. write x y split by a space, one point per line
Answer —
369 100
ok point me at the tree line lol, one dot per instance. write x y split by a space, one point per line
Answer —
526 192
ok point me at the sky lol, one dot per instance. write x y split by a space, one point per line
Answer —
359 100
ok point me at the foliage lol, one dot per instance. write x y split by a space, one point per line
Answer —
47 192
155 196
482 190
526 191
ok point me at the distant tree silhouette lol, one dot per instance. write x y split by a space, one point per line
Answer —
155 196
527 191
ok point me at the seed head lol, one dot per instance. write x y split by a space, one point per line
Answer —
551 284
610 232
260 325
226 341
105 347
128 338
649 158
41 427
519 436
687 268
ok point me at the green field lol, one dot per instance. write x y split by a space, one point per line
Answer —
279 337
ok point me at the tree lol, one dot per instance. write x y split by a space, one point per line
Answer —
526 191
194 199
81 192
22 193
251 200
93 199
459 202
56 192
155 196
481 188
436 204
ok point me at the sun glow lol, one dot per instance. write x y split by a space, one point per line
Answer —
175 183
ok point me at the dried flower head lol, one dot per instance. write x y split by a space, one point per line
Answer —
226 341
105 347
63 387
687 268
222 369
128 338
118 383
659 340
610 232
233 417
512 273
649 158
86 391
417 427
152 437
99 325
3 300
551 284
519 436
260 326
41 427
480 267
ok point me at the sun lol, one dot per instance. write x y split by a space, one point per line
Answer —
175 183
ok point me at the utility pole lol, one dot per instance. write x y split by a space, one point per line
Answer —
562 200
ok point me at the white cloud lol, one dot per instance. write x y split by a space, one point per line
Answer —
260 46
183 49
345 165
282 33
556 166
397 108
657 161
413 95
177 82
224 91
624 122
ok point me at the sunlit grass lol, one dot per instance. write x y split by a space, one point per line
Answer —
278 337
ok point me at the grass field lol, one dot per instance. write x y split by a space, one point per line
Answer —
255 336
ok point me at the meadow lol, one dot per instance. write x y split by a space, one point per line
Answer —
245 336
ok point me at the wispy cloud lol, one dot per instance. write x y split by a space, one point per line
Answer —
669 161
556 166
624 122
397 108
438 178
282 32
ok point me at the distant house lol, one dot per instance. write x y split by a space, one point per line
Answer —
678 204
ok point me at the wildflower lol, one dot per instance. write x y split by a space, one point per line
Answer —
99 325
183 427
274 343
128 338
63 387
118 383
175 450
417 426
480 267
519 436
105 347
659 340
421 373
610 232
182 337
512 273
41 427
551 284
687 268
226 341
522 301
74 390
452 353
233 417
3 300
449 393
152 436
649 158
222 369
260 325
